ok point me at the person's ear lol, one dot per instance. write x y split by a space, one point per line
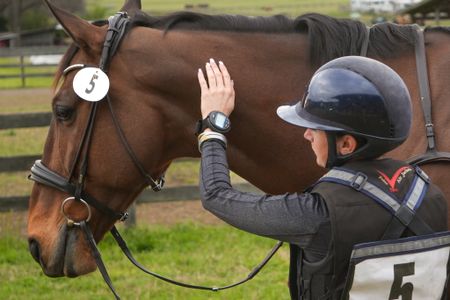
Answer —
346 144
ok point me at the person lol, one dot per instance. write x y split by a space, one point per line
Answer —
355 109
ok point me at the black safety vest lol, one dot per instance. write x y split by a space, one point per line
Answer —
356 218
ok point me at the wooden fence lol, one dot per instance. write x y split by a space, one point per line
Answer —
23 66
22 163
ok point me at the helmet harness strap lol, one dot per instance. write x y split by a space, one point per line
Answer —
334 158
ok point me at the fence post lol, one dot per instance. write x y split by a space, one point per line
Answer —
22 70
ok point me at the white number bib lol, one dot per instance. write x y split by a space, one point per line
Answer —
404 269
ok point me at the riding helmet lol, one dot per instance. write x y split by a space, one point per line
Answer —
358 96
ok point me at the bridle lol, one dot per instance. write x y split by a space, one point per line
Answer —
43 175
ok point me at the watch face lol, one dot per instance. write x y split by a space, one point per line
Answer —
220 121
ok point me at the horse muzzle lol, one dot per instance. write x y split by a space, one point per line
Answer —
67 256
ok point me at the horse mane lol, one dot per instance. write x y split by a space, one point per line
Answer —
198 21
329 37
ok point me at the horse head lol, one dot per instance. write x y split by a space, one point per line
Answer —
79 138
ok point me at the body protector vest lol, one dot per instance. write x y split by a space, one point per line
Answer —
357 217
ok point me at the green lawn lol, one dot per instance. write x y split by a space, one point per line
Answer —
254 7
199 254
8 83
22 141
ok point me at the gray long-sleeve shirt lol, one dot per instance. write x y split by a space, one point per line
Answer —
299 218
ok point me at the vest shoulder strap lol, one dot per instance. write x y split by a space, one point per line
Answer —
404 211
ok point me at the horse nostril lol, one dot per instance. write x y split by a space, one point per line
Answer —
34 249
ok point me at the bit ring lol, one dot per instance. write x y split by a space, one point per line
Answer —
71 222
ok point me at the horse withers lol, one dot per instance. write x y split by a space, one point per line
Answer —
154 97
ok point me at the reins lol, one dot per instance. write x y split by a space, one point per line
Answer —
42 174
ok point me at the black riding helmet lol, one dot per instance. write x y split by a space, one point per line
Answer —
358 96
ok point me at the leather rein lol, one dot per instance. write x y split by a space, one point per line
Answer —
43 175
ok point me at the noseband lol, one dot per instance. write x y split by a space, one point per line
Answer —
43 175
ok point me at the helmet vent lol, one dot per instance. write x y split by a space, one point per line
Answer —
391 131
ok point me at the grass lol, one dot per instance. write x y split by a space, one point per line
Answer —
13 83
253 8
203 254
8 83
15 184
22 141
25 100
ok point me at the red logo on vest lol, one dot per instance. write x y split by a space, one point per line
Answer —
391 182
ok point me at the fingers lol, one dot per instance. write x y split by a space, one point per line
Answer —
217 89
217 76
202 81
225 75
211 76
217 73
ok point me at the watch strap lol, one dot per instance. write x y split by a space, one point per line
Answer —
201 125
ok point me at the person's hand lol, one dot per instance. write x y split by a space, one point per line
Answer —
217 91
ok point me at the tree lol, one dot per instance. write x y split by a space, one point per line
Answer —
28 14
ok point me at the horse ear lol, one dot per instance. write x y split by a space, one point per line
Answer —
84 34
132 6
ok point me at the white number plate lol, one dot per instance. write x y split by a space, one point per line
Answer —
91 84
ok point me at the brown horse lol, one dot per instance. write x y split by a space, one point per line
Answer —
155 94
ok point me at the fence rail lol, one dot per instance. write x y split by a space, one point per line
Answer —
180 193
23 66
29 51
24 120
17 163
22 163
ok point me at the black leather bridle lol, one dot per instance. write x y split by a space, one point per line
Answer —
43 175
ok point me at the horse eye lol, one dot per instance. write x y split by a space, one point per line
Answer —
63 113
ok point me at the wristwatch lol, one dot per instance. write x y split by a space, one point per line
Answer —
216 121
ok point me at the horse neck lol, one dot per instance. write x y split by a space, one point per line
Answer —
268 70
